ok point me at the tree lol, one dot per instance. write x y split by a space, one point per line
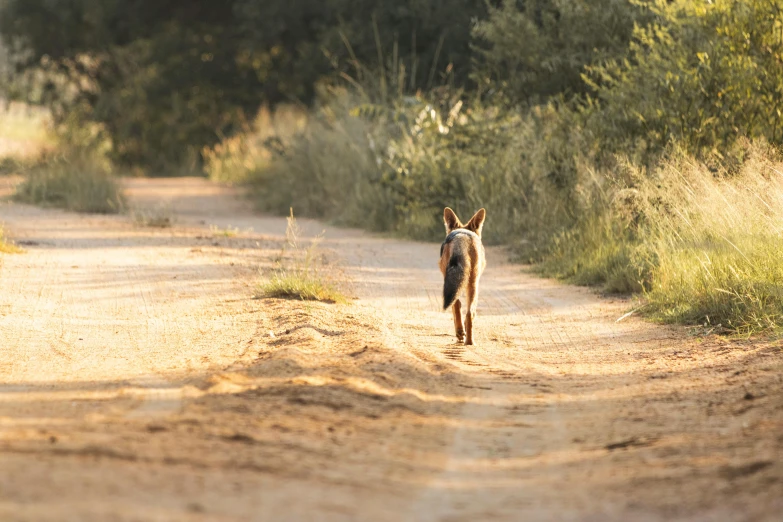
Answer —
160 76
164 78
532 50
702 74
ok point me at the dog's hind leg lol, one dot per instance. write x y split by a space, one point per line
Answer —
472 302
457 310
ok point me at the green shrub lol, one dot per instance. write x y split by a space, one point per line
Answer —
534 50
701 74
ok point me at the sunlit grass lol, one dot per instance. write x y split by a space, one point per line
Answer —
237 158
6 246
300 284
702 247
300 274
720 247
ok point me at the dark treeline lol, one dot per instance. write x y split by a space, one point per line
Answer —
165 78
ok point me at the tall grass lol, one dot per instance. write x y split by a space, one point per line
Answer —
719 240
702 247
24 130
327 171
393 169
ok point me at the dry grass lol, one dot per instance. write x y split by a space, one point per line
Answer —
76 182
719 245
7 247
300 274
701 247
160 216
227 231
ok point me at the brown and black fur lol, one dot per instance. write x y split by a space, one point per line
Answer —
462 262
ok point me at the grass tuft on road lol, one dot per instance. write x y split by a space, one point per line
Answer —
306 285
300 274
6 247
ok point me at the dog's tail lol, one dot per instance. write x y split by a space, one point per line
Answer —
456 278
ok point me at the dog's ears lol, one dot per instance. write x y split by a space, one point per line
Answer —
476 223
451 220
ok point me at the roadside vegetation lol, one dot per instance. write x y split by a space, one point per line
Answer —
75 182
300 273
629 145
61 167
7 247
25 132
651 168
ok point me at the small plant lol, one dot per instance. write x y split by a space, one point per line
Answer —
228 231
299 275
160 216
74 182
6 247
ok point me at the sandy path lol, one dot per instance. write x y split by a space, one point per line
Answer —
140 382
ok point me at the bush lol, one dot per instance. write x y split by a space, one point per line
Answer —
534 50
701 74
236 158
393 168
74 182
327 171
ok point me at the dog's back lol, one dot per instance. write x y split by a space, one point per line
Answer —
462 262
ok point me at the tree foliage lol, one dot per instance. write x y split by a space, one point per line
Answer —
703 73
534 49
161 77
164 78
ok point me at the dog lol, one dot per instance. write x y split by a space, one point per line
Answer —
462 262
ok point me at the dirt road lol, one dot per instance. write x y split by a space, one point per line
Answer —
141 381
